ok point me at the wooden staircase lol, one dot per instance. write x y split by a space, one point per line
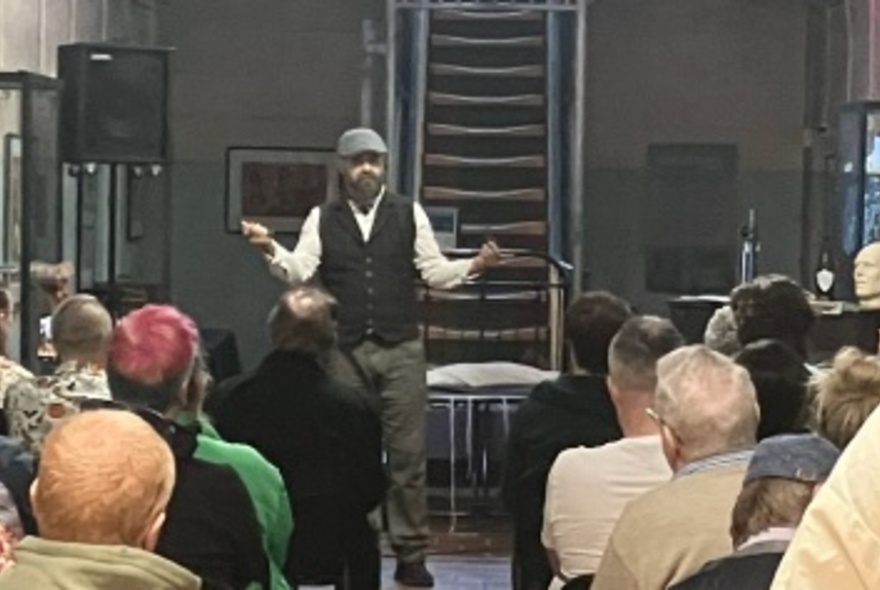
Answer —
484 152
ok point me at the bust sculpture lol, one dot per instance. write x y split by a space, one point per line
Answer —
866 275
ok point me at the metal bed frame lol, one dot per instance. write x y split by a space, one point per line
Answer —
478 403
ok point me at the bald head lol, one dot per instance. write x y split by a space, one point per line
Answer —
707 401
81 328
105 478
304 320
866 275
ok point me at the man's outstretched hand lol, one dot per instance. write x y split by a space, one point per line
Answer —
489 256
258 235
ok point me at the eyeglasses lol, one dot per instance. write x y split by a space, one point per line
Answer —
654 415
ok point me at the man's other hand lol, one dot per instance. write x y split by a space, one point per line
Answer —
489 256
258 235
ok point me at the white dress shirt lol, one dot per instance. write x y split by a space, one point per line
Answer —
301 264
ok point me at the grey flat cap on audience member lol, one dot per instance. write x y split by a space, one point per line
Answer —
358 141
799 457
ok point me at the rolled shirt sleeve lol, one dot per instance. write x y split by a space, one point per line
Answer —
300 265
436 270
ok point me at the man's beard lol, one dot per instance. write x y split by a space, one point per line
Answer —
365 188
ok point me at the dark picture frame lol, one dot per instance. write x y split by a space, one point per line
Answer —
277 187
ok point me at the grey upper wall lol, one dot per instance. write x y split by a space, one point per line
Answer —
283 73
703 71
718 71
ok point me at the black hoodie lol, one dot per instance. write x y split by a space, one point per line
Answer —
573 410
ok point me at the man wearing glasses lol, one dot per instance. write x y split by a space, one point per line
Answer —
708 417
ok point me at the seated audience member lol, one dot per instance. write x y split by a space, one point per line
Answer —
10 371
720 334
17 475
588 488
11 529
846 395
773 307
81 329
574 410
783 476
708 416
154 363
325 439
837 541
780 380
104 483
211 526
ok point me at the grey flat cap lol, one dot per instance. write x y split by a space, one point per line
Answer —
799 457
358 141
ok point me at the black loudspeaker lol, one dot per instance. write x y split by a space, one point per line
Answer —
114 106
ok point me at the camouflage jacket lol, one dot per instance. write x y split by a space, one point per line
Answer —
33 406
10 372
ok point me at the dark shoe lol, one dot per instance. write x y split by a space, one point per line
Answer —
413 574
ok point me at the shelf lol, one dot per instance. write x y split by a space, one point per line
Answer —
456 41
531 130
520 71
439 193
520 228
520 100
536 161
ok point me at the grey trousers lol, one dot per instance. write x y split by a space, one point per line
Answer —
399 393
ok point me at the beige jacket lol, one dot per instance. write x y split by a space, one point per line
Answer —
670 532
837 544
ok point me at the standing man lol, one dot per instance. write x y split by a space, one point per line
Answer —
367 249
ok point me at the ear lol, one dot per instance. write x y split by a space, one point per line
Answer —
613 391
154 529
32 493
671 447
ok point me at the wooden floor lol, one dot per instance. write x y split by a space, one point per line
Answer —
474 555
458 573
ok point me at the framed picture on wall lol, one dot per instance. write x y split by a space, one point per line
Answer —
277 187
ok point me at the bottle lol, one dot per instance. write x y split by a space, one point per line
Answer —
825 273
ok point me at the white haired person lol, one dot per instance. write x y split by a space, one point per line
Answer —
783 476
708 416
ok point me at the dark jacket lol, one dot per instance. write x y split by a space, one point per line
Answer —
211 527
324 439
574 410
373 280
745 571
17 471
